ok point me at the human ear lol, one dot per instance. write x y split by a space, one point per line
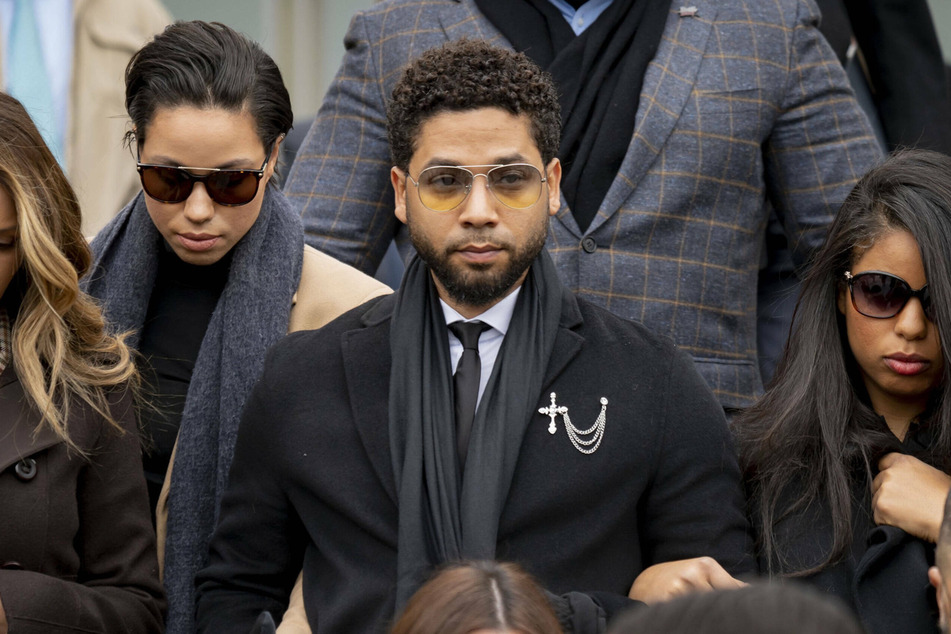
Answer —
842 298
398 179
272 160
934 576
553 174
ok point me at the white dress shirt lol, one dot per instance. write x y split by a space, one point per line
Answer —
581 18
498 318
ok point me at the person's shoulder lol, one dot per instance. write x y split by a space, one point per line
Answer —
630 347
327 269
306 354
602 325
92 430
428 20
763 17
385 7
327 289
328 337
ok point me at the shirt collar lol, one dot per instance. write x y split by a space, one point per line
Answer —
498 317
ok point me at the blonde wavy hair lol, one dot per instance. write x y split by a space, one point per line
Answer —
61 348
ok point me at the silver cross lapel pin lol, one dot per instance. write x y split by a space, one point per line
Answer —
552 411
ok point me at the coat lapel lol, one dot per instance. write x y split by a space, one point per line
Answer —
568 343
667 86
372 342
21 431
366 360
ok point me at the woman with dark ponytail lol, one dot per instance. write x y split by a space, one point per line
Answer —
207 268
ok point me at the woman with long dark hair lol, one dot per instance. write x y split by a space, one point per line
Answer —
77 549
207 267
847 454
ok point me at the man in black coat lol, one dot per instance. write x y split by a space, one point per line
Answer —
569 440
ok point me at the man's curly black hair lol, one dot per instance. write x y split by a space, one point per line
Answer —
465 75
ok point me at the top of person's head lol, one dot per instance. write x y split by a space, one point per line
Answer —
467 75
758 608
910 191
478 595
207 65
48 215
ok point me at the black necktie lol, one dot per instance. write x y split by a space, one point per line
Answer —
465 382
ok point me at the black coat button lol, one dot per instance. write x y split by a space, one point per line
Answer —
589 245
26 469
11 565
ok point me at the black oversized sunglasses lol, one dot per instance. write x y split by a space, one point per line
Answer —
882 295
173 184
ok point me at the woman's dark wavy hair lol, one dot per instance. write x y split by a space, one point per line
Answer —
465 75
206 65
814 429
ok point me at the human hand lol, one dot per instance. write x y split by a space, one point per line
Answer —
662 582
3 619
909 494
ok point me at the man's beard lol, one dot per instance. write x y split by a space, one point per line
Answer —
475 284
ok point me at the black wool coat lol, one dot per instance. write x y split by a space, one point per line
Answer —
312 481
884 579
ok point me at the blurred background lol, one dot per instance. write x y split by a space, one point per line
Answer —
305 37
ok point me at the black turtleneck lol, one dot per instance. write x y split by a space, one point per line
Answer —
180 308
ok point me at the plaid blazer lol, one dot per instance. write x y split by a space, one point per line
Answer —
744 106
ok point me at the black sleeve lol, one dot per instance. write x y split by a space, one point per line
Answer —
695 505
256 551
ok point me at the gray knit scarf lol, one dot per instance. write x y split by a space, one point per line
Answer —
251 314
444 517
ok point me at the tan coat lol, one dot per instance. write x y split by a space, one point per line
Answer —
105 35
328 288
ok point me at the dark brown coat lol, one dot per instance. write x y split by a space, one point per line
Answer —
77 549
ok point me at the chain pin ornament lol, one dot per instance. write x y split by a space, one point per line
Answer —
586 441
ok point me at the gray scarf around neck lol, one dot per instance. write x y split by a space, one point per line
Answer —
443 517
251 315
